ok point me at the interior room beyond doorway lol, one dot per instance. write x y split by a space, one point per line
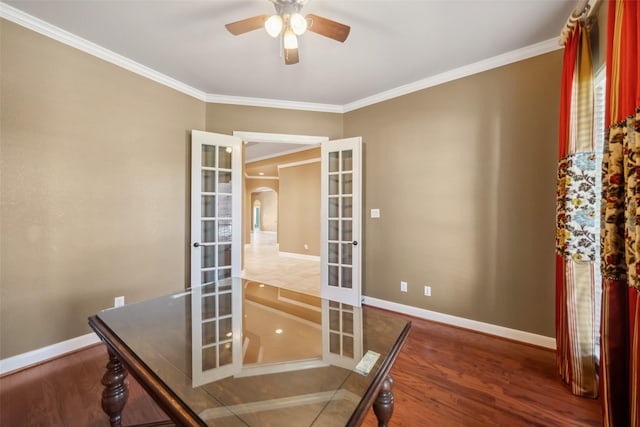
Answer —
264 264
282 197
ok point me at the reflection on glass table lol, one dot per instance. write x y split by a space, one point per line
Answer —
238 352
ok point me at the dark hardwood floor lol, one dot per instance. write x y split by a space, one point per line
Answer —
444 376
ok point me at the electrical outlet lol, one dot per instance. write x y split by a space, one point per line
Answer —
306 247
118 301
427 291
403 286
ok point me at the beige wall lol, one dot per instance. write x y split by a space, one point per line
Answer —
270 168
268 209
95 188
224 118
94 175
464 175
299 209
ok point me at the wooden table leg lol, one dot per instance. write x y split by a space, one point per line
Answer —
383 405
116 392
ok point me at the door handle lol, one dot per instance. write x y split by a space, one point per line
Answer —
196 245
355 243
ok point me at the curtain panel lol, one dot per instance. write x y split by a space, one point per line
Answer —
620 242
577 248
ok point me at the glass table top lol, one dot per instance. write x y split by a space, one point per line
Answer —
239 352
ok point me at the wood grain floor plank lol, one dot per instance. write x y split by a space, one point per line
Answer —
454 377
444 376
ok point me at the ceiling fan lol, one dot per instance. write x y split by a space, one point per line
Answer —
288 23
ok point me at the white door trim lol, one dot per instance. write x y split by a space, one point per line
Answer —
279 137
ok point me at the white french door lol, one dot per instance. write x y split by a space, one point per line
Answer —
216 331
216 206
341 214
341 334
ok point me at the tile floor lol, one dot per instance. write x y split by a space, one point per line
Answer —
263 264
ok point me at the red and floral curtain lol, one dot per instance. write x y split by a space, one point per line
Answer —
619 369
577 251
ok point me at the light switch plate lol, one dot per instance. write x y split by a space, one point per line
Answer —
375 213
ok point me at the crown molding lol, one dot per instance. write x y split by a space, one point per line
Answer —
261 177
300 163
283 153
39 26
274 103
458 73
21 18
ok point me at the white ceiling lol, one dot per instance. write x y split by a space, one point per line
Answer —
392 42
255 151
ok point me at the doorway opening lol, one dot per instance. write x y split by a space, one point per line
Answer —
256 214
279 249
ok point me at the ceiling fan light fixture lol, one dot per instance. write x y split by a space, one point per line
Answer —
273 25
290 39
298 24
288 24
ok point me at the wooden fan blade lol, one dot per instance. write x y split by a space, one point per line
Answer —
291 56
246 25
327 27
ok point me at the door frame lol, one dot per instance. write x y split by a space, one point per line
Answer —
311 141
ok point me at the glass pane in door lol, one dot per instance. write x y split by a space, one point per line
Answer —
208 206
224 255
333 229
347 183
208 276
217 327
347 228
224 182
224 157
347 160
208 257
333 207
208 231
341 226
341 331
209 156
333 184
333 161
340 212
216 217
208 181
224 206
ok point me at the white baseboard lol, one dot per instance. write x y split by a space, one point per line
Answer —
300 256
474 325
45 353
